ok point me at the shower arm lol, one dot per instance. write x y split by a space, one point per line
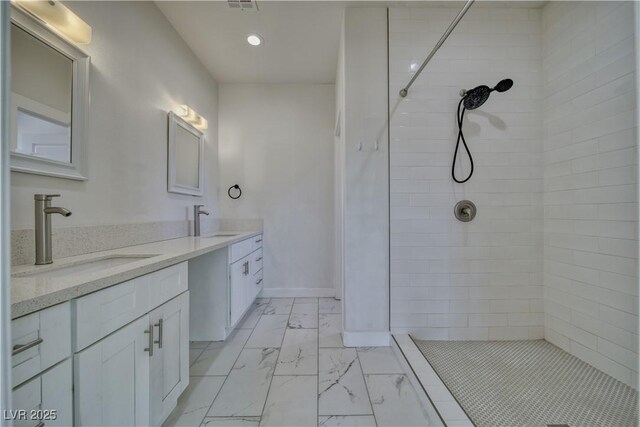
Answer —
444 37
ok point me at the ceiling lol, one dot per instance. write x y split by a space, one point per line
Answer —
301 38
300 44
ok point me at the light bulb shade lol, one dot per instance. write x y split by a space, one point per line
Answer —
187 113
59 17
202 124
190 115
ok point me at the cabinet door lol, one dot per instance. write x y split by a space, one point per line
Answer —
248 283
111 379
169 365
51 390
237 286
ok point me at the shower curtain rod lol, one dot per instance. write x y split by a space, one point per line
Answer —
455 21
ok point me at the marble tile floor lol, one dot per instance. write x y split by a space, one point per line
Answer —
285 365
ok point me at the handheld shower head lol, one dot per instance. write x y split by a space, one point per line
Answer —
475 97
472 99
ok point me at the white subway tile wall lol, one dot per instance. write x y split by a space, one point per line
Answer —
479 280
590 184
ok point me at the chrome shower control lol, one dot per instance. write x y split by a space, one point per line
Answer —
465 210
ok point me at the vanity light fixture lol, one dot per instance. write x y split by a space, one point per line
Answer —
58 17
254 40
190 115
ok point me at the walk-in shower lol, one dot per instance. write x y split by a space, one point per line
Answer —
550 261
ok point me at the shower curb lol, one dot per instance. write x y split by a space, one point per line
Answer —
437 393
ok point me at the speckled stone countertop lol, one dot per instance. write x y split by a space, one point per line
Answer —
30 294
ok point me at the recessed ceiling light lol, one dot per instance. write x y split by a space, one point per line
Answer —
254 39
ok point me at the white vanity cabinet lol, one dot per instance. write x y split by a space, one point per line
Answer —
238 274
134 376
41 367
132 343
112 379
245 276
169 363
223 285
39 341
47 398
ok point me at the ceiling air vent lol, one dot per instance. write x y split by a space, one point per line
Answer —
243 4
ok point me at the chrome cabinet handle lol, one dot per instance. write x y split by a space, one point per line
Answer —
259 281
246 268
40 424
159 325
19 348
150 348
259 259
258 240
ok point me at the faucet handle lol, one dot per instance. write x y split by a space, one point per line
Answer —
45 197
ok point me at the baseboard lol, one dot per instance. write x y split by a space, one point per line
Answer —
366 339
297 292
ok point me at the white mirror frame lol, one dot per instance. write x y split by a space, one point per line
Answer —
79 111
172 185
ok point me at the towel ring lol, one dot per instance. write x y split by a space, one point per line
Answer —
237 187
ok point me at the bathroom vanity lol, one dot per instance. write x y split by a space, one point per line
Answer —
103 338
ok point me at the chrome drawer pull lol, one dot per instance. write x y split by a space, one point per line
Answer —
150 348
259 241
259 281
159 325
259 259
19 348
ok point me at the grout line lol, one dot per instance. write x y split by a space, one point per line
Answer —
197 357
264 405
366 387
229 374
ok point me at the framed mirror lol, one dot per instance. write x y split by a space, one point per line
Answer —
49 100
186 148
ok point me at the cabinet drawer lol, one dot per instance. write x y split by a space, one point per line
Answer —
256 261
240 250
167 284
40 340
257 241
107 310
52 390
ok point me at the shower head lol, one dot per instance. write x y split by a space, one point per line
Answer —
477 96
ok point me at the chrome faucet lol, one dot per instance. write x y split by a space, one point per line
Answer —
196 219
43 210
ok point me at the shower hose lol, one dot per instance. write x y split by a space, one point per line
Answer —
460 116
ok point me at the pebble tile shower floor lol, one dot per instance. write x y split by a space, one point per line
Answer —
529 383
285 365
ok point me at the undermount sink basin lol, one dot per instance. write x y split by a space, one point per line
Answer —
88 266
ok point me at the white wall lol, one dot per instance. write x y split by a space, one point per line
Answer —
482 279
590 184
366 178
276 142
140 70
